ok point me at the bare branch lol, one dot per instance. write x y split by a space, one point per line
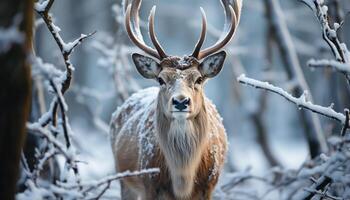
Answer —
339 49
66 48
91 184
34 128
301 102
336 65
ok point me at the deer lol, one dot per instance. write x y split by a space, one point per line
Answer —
173 127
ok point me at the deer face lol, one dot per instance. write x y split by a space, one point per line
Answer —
180 80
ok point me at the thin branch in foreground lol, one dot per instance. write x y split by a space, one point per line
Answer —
93 185
339 66
43 9
346 125
36 128
63 108
329 34
301 102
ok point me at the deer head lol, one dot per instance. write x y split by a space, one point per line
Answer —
181 79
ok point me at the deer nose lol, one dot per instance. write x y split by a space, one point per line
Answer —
181 102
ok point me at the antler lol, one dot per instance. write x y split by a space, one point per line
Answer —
200 42
133 29
232 18
153 35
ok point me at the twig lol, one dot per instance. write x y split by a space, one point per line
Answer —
339 49
90 185
339 66
102 192
301 102
25 165
51 139
66 48
63 108
346 124
319 185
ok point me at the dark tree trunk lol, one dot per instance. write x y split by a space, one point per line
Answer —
15 92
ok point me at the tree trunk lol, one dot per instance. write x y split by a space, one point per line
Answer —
15 89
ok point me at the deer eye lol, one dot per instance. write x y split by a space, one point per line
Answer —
199 80
161 81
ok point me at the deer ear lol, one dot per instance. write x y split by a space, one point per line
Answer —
146 66
212 65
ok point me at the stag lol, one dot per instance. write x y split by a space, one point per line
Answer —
173 127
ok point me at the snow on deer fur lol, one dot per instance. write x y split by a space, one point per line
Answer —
136 118
174 127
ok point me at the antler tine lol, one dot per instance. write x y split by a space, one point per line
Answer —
153 36
202 36
232 16
133 29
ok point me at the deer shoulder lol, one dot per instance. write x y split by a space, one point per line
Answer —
173 127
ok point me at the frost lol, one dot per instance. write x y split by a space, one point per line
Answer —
300 102
41 6
324 8
339 66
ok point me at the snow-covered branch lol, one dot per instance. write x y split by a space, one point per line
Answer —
85 190
336 65
89 185
34 128
43 9
54 129
325 176
301 102
329 33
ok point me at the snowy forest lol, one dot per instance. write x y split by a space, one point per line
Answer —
283 94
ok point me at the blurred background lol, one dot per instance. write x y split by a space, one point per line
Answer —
274 41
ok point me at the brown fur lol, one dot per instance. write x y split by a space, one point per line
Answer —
189 157
175 128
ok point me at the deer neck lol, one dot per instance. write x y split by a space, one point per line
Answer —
182 141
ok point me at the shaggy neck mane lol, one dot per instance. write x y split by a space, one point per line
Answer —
182 142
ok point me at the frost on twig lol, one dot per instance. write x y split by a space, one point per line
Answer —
54 129
336 65
329 33
325 176
84 190
43 9
301 102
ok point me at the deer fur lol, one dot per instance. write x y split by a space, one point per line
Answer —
189 150
173 127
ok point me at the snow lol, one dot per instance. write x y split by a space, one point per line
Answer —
339 66
35 193
36 128
56 29
324 8
301 102
143 104
142 116
97 161
41 6
48 69
104 180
